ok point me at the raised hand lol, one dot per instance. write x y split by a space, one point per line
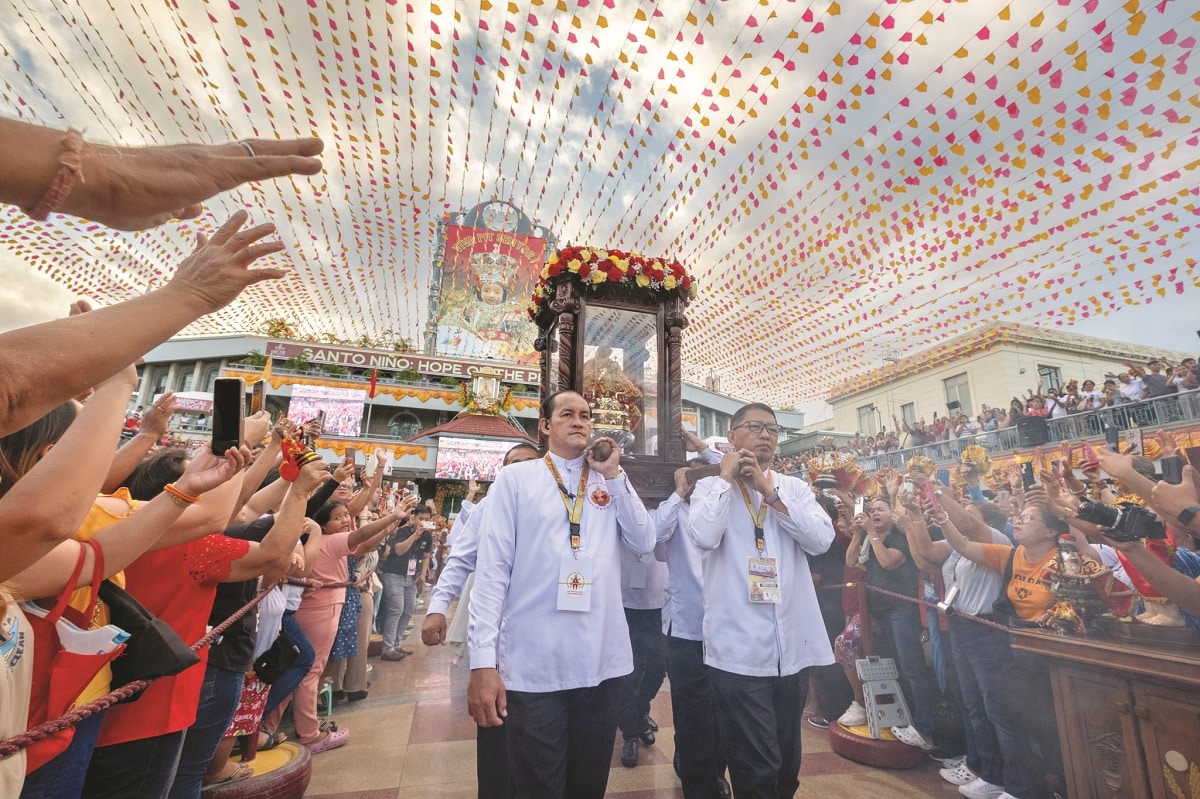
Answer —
219 269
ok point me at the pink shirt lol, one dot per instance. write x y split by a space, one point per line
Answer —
331 568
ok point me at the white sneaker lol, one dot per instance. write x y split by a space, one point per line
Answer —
1006 795
911 736
981 789
855 716
960 774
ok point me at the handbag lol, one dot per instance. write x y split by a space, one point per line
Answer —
278 658
67 656
154 649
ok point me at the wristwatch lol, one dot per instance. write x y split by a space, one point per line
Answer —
774 495
1187 514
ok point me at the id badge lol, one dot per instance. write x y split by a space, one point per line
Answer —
764 581
638 572
575 584
412 567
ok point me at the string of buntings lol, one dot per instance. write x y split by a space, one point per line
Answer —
848 177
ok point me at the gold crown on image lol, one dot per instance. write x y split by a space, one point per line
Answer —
493 267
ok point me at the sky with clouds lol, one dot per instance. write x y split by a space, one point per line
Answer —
843 180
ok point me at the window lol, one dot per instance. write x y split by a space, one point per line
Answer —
1050 376
908 413
958 394
404 425
184 383
867 420
210 377
160 382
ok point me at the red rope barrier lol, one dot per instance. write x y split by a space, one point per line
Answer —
11 746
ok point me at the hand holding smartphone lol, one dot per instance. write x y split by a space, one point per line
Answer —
258 393
1028 475
228 414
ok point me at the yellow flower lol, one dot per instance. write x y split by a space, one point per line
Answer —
643 281
669 282
553 258
574 265
598 276
545 272
585 255
622 264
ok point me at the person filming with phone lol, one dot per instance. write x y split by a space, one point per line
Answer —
404 569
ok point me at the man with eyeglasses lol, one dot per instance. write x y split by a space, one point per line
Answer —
762 624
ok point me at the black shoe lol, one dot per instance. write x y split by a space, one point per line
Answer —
820 722
647 737
629 752
723 788
650 723
356 696
339 696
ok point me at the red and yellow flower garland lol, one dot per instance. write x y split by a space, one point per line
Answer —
593 266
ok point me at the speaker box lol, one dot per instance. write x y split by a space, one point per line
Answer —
1032 431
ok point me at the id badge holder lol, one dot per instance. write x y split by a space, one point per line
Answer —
764 581
412 567
638 572
575 583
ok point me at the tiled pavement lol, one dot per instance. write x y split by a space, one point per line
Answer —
412 737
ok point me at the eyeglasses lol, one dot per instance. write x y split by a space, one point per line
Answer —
757 428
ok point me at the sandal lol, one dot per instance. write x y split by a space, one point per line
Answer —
242 772
274 739
330 740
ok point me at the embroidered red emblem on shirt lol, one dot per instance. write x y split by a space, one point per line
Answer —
600 498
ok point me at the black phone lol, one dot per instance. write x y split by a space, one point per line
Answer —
1193 457
258 393
228 413
1172 470
1028 475
1112 439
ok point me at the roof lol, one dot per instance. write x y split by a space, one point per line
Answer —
474 425
991 337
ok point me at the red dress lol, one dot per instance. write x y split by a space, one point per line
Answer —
178 585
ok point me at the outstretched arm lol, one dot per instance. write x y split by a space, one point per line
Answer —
84 350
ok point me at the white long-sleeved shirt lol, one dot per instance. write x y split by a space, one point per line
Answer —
464 550
525 536
683 609
653 593
758 639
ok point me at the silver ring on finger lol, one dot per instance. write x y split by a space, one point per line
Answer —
249 150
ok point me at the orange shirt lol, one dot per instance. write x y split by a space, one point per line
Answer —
1029 590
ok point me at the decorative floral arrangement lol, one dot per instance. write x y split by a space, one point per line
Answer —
593 267
841 470
484 404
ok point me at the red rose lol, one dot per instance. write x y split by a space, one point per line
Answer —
585 269
556 267
615 274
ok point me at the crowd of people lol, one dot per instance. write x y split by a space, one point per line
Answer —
731 586
1157 378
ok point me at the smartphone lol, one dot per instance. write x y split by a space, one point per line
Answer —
228 413
1193 457
258 393
428 525
859 504
1112 439
1028 476
1172 470
321 419
1133 441
352 456
943 476
930 498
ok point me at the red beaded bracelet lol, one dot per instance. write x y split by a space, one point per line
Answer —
70 170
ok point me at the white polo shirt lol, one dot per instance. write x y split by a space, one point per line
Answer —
749 638
525 536
683 610
464 548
